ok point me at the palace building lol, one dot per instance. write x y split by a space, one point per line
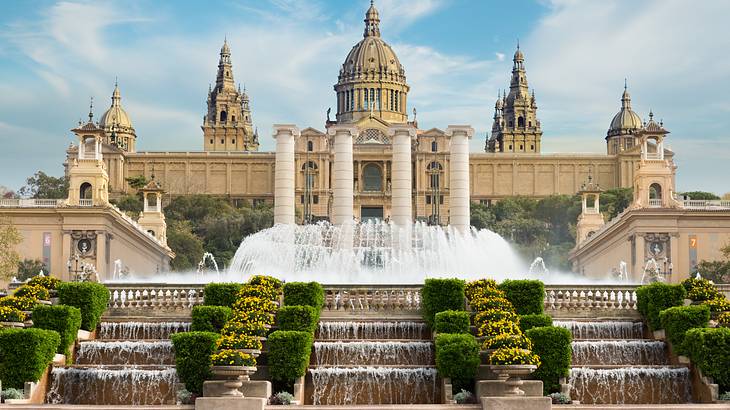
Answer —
371 96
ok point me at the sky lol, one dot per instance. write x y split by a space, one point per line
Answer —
55 55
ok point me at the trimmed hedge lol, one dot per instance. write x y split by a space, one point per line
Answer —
25 354
527 296
652 299
65 320
298 318
439 295
210 318
452 321
677 320
289 353
710 350
304 294
457 357
90 297
192 358
553 345
527 322
221 294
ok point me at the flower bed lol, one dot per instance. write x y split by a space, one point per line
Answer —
11 314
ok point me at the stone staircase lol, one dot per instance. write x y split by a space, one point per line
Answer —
130 363
613 363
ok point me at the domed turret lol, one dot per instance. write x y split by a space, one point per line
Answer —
117 125
372 80
623 125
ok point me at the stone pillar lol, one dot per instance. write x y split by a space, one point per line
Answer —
342 184
401 208
459 176
284 173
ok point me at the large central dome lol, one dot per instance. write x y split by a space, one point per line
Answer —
372 80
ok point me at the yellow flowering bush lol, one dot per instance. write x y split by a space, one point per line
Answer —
491 315
48 282
241 328
238 342
498 327
266 292
518 341
724 319
253 317
33 292
699 289
11 314
478 287
254 304
718 305
481 304
268 281
229 357
20 303
513 356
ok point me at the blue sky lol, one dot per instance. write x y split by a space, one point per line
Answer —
457 54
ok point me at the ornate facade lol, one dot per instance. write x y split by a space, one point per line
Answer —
371 97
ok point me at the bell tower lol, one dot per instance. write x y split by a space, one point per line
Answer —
654 179
228 126
152 219
590 219
88 178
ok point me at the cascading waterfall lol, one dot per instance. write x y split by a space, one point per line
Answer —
338 330
603 330
619 352
374 385
373 353
630 385
141 330
130 386
125 352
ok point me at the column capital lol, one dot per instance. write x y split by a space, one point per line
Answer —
286 129
460 129
402 128
342 129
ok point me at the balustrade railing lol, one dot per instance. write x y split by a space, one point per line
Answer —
364 299
574 298
31 203
154 298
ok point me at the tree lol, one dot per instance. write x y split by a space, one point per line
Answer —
131 204
27 268
44 186
561 212
614 201
482 217
9 257
700 195
136 182
188 248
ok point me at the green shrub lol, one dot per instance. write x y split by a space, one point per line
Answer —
90 297
527 322
553 345
221 294
710 350
25 354
298 318
676 321
457 357
210 318
192 358
527 296
452 321
65 320
652 299
48 282
304 294
439 295
289 353
699 289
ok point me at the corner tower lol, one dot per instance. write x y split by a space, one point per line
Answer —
372 81
228 126
516 127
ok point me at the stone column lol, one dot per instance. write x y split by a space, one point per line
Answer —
284 173
459 176
401 208
342 184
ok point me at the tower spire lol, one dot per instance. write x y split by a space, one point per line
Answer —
372 21
91 109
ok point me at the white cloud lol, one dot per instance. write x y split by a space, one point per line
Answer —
500 56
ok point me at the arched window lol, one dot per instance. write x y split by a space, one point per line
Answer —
367 101
224 116
655 191
310 146
434 146
85 191
372 177
152 200
520 122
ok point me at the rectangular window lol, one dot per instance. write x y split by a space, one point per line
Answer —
367 102
301 199
428 199
315 199
223 141
352 100
258 201
233 141
441 200
211 140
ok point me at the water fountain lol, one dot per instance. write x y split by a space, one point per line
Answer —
538 267
119 270
652 272
202 266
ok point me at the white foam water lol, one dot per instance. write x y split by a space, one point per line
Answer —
630 385
373 385
342 330
619 352
125 353
612 329
373 353
141 330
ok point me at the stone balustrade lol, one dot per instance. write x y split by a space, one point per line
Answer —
154 299
363 300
